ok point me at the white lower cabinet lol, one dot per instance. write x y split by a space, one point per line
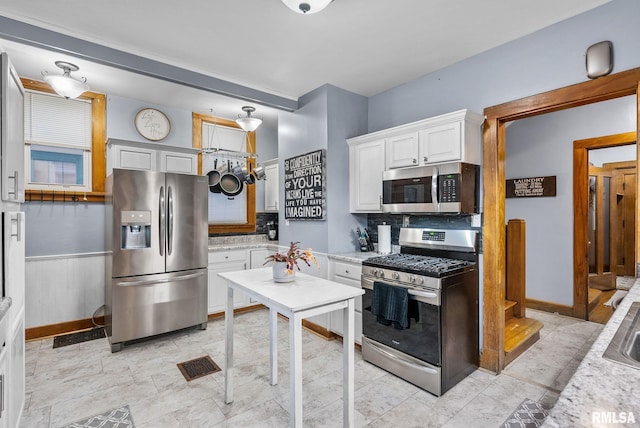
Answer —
4 386
16 390
225 261
348 274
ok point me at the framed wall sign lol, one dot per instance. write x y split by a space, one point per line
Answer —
531 187
305 186
152 124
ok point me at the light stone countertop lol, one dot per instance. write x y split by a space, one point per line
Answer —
601 392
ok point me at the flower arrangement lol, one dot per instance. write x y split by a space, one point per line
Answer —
292 257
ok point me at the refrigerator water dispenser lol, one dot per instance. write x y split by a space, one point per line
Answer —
136 229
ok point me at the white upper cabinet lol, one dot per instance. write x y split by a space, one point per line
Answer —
271 188
11 132
150 157
366 164
453 137
449 137
402 150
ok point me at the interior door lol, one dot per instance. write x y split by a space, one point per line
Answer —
625 221
600 220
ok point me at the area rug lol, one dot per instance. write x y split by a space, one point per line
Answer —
79 337
529 414
114 418
624 282
618 295
198 367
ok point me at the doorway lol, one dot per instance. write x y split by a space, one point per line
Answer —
604 206
493 175
605 186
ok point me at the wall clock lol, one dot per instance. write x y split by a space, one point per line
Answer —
152 124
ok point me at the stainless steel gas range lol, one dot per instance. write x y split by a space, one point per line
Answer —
420 308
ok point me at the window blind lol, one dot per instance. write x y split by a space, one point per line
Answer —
51 119
223 137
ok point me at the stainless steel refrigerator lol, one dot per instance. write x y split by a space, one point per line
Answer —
156 271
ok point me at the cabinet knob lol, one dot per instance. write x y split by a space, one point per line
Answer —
415 160
346 271
425 159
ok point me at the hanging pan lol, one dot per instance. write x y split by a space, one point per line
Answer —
230 184
214 177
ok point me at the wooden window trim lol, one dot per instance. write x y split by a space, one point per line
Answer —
98 151
250 226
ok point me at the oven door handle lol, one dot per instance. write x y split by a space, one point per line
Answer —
398 356
425 294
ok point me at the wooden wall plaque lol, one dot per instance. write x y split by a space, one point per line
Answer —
531 187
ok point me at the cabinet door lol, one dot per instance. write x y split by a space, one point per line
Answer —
271 188
16 388
224 261
441 143
12 132
135 158
366 164
257 258
13 261
181 163
402 151
4 386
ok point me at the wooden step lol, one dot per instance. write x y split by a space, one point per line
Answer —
594 298
508 309
519 335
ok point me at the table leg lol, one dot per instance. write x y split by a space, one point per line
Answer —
228 358
273 345
348 365
295 378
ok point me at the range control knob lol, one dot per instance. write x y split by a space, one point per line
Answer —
396 275
420 280
374 272
412 278
381 273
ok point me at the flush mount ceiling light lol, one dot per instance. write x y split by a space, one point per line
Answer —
306 6
65 85
248 123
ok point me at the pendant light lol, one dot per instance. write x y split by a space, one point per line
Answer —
306 7
248 123
65 85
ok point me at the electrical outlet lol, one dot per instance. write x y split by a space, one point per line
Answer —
286 222
476 220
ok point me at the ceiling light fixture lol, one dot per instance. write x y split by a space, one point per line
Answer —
248 122
65 85
306 7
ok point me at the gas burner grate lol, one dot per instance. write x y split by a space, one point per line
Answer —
417 263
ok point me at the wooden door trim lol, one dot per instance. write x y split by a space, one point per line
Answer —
493 173
581 210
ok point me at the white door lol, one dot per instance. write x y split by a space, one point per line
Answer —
402 150
441 143
365 176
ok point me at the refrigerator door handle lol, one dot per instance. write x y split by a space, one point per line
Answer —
170 221
162 220
18 233
161 281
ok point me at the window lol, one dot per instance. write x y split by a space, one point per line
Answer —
57 135
64 145
202 124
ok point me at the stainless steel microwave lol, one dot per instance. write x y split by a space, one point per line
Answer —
451 188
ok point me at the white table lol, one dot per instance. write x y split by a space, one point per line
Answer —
305 297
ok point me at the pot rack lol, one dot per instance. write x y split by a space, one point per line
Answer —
214 151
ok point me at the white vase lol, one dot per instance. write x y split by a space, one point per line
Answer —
280 273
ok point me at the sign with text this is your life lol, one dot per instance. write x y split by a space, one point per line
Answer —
304 186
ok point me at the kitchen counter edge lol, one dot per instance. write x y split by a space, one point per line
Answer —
600 388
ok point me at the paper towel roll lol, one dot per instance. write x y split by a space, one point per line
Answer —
384 239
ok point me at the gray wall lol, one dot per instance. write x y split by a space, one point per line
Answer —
542 146
326 118
75 228
548 59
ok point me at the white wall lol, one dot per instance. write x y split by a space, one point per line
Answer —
542 146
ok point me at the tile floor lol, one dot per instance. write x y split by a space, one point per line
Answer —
71 383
